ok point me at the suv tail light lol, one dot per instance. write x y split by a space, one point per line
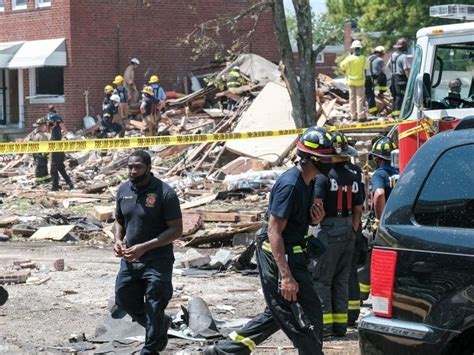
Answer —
382 277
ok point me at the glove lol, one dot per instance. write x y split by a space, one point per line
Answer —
315 246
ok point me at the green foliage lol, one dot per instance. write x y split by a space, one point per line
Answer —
323 27
393 18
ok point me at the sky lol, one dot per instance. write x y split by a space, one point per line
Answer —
319 6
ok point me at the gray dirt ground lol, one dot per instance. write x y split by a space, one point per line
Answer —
38 318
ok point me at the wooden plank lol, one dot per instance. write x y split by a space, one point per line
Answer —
217 216
325 112
52 232
222 235
199 202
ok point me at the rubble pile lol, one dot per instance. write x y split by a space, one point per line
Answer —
223 186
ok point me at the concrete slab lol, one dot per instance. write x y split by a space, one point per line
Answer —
271 110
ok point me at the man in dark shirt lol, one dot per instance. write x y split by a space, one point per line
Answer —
56 126
148 220
110 117
341 193
382 183
282 258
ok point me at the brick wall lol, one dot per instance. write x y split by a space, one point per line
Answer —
102 36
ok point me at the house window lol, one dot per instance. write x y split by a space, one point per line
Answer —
2 5
19 4
43 3
320 58
47 85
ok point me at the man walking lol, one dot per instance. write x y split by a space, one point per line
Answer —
148 220
341 193
292 303
40 133
56 125
400 68
354 70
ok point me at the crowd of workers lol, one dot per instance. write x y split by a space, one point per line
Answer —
368 76
307 274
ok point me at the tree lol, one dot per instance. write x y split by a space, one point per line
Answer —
392 18
301 84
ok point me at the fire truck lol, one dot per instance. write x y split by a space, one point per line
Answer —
442 54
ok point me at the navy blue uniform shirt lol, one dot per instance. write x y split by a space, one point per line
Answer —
145 211
340 191
381 179
291 199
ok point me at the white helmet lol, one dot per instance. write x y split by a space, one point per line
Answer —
115 98
135 61
379 49
356 44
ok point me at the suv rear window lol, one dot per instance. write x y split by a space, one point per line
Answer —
447 196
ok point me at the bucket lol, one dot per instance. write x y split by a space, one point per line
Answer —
409 145
448 123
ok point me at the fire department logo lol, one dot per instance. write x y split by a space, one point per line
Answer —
150 200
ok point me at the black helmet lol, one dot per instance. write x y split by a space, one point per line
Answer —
340 144
383 147
315 142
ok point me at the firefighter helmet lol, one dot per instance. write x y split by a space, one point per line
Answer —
383 147
108 89
118 80
115 98
315 142
148 90
340 144
153 79
379 49
135 61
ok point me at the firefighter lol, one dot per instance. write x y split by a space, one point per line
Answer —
292 303
110 118
40 133
129 80
341 193
160 97
108 91
124 95
146 109
382 183
234 78
376 78
400 68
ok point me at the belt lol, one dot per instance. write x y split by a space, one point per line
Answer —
296 249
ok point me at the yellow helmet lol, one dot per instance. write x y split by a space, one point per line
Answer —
148 90
108 89
153 79
118 80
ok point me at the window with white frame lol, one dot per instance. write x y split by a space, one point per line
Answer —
43 3
47 85
2 5
320 58
19 4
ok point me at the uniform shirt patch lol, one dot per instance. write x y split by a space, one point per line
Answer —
150 200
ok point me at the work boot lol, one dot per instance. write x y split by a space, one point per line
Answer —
55 188
209 350
71 186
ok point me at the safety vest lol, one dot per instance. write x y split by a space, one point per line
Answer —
354 69
233 79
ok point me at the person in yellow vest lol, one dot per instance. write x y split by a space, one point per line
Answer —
354 67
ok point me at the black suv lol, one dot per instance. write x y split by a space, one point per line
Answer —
422 270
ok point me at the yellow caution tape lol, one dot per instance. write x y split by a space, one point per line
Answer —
142 142
425 125
135 142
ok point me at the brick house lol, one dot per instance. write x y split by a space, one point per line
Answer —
52 51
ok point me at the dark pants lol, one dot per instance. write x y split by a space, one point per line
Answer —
332 271
57 167
143 290
41 168
399 84
370 95
354 292
364 278
277 314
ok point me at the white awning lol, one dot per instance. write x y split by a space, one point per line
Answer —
36 54
7 51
